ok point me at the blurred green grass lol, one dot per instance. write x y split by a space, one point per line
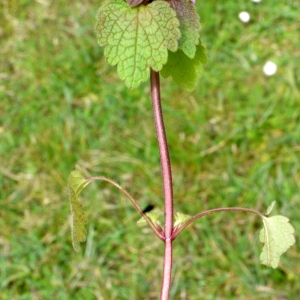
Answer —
234 141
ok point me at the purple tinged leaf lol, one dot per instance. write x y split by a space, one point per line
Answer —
189 25
134 3
137 38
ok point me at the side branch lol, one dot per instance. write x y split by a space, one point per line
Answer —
211 211
102 178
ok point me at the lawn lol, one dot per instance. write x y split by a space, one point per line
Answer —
234 141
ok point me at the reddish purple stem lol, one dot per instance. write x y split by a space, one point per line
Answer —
167 182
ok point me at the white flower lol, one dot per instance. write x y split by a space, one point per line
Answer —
270 68
244 17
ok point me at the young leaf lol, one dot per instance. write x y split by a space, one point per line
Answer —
277 235
137 38
76 183
270 208
189 25
154 217
180 219
185 71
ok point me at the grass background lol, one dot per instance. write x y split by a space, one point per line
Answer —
235 140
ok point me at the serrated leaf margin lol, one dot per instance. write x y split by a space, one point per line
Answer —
160 38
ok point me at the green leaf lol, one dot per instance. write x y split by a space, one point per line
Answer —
277 235
180 219
76 183
184 70
137 38
154 217
270 208
189 25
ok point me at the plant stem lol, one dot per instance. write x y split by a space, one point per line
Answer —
167 182
166 281
211 211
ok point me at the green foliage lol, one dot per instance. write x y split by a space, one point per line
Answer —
277 235
180 219
189 25
184 70
137 38
76 184
240 141
270 208
155 217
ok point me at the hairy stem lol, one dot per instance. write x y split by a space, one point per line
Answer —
211 211
167 182
166 282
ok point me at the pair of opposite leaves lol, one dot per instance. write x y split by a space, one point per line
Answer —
163 36
277 233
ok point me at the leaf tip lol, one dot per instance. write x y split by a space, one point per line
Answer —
270 208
